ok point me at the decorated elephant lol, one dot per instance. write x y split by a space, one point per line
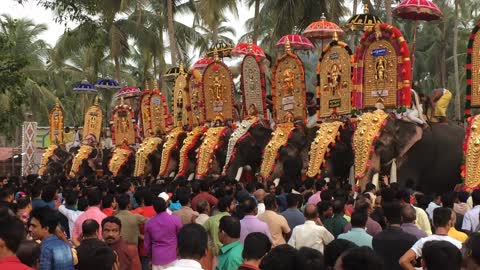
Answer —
56 161
148 157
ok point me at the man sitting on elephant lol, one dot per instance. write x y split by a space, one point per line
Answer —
440 99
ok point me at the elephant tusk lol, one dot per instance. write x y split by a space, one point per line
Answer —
239 174
393 171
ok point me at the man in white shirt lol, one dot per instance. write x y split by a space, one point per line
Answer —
471 218
437 202
442 223
311 234
191 247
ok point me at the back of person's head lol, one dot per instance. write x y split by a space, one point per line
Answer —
472 247
23 202
370 187
205 185
320 184
46 217
203 206
270 202
255 246
124 186
441 216
12 232
90 227
107 201
441 255
183 196
476 197
359 219
334 249
48 193
249 205
230 225
408 214
29 253
250 187
281 257
323 206
123 201
159 205
147 197
448 199
310 212
326 195
309 259
293 199
338 207
403 195
71 198
463 196
104 258
192 240
360 258
392 212
82 204
94 197
224 203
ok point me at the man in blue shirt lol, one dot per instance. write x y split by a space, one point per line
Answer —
55 254
293 216
357 234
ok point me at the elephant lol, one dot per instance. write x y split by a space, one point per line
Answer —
246 150
122 162
57 161
170 157
148 157
430 157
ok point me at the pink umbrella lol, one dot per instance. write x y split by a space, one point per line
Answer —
417 10
248 49
202 63
322 29
128 92
297 42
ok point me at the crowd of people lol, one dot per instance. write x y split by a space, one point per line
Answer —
143 223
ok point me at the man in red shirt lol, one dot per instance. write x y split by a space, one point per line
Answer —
12 232
204 194
144 199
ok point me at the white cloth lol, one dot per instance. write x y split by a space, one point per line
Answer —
162 267
76 140
417 247
71 215
202 218
430 208
471 219
260 208
184 264
310 235
312 121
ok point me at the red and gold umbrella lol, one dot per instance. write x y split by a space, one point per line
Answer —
322 29
202 63
417 10
248 49
297 42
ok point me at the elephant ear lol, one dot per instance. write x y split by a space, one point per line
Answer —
407 135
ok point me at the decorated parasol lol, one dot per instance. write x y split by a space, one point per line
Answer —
362 22
128 92
223 48
172 73
84 88
202 63
417 10
106 87
297 42
250 49
322 29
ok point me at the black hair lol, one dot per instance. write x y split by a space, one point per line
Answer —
473 247
448 199
230 225
94 197
441 255
159 204
323 207
123 200
249 205
255 246
46 217
192 240
441 216
320 184
270 202
281 257
361 258
326 195
23 202
334 249
359 218
90 227
104 257
107 201
293 199
12 232
71 198
392 212
48 193
224 203
112 219
5 192
476 197
82 204
369 187
183 196
338 206
309 259
250 187
463 196
28 252
124 186
205 185
403 195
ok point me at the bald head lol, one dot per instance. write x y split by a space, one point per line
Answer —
259 194
408 214
310 212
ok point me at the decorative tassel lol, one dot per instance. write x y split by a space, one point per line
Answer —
239 174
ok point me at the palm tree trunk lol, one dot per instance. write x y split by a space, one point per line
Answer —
256 24
455 64
388 10
443 61
171 33
116 61
354 36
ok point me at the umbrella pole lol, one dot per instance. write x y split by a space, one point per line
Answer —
414 45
